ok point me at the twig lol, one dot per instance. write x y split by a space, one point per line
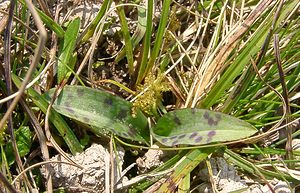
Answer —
289 131
42 140
7 184
37 56
7 66
12 105
44 7
43 163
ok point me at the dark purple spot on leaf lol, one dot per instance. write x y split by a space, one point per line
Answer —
122 114
125 134
193 111
80 92
218 118
132 132
164 140
174 137
193 135
108 101
175 143
181 136
198 139
206 115
211 134
176 120
210 121
70 110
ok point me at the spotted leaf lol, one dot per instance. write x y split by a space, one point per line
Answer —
101 110
199 126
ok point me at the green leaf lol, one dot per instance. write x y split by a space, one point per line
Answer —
127 39
23 138
138 34
51 24
146 42
54 117
199 126
158 44
93 25
189 162
67 49
102 110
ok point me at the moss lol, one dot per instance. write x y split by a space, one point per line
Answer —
153 87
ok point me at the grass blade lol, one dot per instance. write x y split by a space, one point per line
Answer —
250 49
146 43
158 40
138 34
67 49
190 161
49 22
127 39
91 28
